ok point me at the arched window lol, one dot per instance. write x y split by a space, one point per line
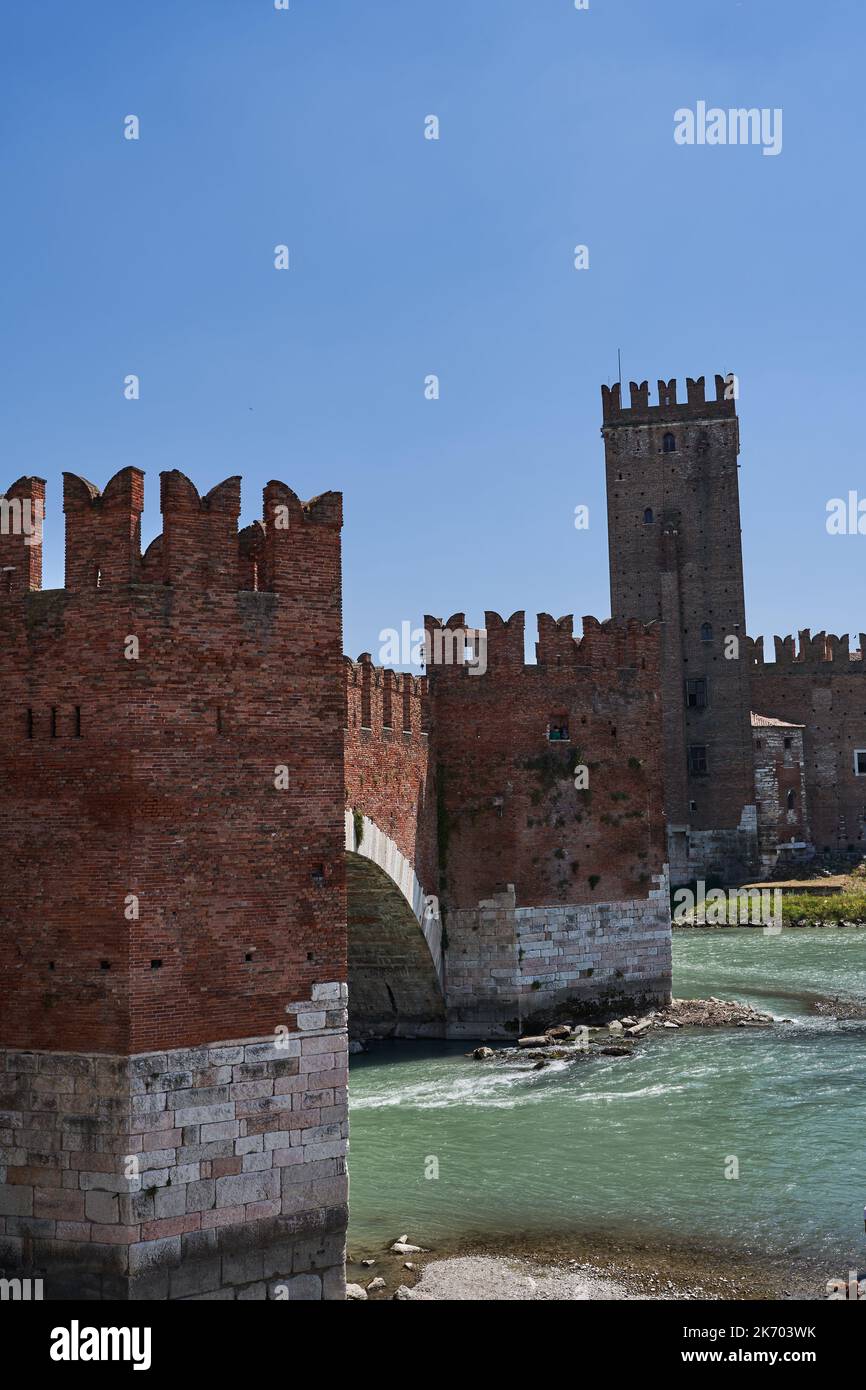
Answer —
97 577
706 632
792 800
648 516
669 444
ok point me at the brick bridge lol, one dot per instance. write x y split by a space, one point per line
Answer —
193 777
396 966
484 889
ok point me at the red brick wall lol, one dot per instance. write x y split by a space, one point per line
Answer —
389 776
820 687
509 811
168 793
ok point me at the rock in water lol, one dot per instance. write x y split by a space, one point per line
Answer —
355 1291
401 1248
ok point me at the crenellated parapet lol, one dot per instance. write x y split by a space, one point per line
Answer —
381 702
615 644
668 407
458 650
805 652
199 548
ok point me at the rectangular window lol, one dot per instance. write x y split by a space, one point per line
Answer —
698 760
696 693
860 762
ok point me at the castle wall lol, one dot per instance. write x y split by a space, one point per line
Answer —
395 957
173 867
389 774
552 896
821 685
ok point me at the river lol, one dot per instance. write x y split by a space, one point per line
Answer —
455 1151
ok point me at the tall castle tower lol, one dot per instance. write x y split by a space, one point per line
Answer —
676 558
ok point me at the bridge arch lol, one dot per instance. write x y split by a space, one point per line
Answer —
396 968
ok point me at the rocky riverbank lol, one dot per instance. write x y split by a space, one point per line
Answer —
617 1038
584 1268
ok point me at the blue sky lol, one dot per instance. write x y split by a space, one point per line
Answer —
411 257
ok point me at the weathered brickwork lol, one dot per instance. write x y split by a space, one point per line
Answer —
553 891
478 799
395 942
821 685
171 735
675 557
508 744
389 774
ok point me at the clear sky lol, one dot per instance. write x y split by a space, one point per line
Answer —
411 257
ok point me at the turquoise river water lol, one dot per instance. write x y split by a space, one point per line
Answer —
638 1147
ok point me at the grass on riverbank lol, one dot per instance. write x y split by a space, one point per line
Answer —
808 909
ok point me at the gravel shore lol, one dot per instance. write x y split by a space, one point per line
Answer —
583 1268
484 1277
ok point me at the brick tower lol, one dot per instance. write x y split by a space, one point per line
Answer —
172 899
675 557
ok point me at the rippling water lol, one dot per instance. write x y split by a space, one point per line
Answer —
637 1146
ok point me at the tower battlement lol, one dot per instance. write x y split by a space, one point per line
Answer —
200 547
807 652
668 408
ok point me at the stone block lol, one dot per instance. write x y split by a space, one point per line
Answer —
247 1187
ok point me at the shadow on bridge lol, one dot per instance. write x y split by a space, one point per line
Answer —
395 941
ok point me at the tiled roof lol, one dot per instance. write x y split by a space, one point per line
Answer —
763 721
